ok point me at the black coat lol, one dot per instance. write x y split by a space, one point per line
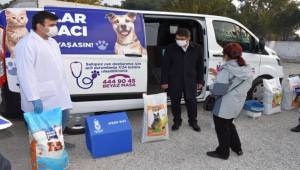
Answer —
182 71
4 163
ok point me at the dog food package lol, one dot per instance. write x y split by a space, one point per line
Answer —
155 121
46 140
272 96
291 99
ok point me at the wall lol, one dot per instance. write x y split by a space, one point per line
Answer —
286 49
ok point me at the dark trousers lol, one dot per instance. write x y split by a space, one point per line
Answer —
4 163
227 136
191 105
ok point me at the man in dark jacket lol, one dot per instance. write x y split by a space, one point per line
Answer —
182 73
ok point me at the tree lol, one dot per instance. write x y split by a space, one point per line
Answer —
92 2
255 17
213 7
288 20
272 19
142 4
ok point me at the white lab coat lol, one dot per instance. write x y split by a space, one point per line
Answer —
41 73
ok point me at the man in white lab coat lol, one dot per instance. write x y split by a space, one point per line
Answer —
40 68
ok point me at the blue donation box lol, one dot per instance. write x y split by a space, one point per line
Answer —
108 134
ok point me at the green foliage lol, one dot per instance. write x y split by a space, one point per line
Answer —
213 7
92 2
273 19
154 5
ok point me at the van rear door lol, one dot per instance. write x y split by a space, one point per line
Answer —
104 52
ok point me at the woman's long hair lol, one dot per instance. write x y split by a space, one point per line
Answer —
234 51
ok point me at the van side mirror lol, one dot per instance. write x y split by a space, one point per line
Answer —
261 45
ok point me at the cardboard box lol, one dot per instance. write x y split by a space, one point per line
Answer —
108 134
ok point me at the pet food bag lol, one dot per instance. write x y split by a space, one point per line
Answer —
291 98
155 124
272 96
46 140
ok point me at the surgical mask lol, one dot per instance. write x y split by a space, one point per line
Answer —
53 31
181 43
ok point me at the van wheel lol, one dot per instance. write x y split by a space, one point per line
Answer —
10 106
76 130
257 90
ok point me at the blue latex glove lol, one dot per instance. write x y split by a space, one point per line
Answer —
38 106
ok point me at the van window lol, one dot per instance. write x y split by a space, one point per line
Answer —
227 32
151 32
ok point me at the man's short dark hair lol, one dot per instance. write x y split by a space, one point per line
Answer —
40 17
183 32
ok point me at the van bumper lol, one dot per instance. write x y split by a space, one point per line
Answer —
106 106
112 105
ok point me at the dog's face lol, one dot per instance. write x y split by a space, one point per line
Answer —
123 25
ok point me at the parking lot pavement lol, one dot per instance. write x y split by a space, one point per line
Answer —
291 67
267 144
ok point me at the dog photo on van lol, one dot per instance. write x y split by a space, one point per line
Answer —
127 40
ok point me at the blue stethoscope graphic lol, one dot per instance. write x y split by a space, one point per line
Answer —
85 82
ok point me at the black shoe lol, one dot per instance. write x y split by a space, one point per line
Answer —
176 126
296 129
214 154
239 152
195 127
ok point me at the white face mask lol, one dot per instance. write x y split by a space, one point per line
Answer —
53 31
181 43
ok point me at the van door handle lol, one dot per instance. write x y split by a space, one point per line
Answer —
218 55
133 55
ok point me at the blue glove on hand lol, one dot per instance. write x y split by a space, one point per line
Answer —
38 106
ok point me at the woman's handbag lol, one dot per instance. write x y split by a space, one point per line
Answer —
210 101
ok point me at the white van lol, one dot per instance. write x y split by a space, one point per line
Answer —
113 56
